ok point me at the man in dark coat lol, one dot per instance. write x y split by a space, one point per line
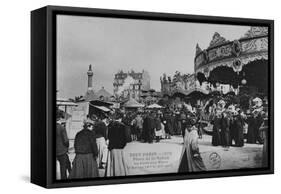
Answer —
126 120
216 138
259 122
183 120
232 131
62 144
251 135
238 124
148 127
225 133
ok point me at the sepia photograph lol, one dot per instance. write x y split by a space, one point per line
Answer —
143 97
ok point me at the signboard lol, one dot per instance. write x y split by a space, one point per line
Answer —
152 158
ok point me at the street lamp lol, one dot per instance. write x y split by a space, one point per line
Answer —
244 81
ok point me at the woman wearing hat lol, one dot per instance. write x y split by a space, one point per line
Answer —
117 141
191 160
85 164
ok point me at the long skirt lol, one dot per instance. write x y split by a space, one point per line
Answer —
84 166
116 163
102 151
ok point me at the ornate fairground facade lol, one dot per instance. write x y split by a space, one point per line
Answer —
238 67
241 64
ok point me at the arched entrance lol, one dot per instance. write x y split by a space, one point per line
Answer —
224 75
255 78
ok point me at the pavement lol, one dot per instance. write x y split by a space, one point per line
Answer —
248 156
214 157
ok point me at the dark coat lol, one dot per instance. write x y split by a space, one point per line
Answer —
216 138
62 142
116 135
238 124
157 124
251 134
100 129
85 143
148 128
170 124
225 132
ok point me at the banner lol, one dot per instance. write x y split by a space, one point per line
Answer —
152 158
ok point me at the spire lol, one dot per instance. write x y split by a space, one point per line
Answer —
198 49
90 78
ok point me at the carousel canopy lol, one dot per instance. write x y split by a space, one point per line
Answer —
235 62
154 106
132 103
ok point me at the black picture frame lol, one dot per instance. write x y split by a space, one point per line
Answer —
43 93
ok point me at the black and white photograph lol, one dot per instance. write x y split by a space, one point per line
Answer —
143 97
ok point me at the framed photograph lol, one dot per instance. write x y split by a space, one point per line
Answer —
126 96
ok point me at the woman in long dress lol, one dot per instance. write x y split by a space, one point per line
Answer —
158 128
84 163
191 160
117 141
100 129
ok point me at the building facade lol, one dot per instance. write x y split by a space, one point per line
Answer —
130 84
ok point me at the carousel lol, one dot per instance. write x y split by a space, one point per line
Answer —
237 67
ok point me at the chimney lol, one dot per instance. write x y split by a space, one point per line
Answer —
90 78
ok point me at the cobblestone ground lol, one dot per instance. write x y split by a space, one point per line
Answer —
248 156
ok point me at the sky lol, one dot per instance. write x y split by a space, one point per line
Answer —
112 44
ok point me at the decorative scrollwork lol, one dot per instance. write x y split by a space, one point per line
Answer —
236 48
256 31
217 40
205 56
237 65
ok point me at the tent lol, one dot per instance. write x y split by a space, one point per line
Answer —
101 108
65 102
132 103
154 106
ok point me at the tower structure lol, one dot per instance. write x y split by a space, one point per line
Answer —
90 78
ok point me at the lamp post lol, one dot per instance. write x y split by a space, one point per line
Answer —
243 81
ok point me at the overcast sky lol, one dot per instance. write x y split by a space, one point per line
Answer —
111 44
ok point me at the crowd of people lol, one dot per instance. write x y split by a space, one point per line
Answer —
231 125
101 142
